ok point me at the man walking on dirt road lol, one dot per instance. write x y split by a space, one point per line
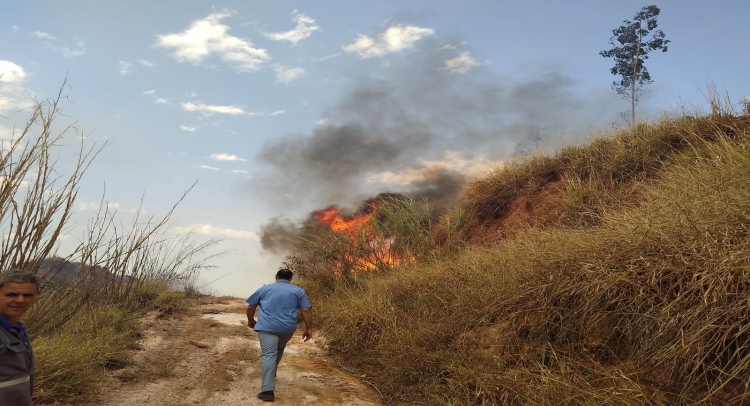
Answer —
277 305
18 291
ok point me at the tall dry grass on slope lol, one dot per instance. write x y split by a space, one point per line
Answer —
629 155
646 305
665 285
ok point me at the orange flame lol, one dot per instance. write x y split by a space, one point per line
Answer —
360 225
333 218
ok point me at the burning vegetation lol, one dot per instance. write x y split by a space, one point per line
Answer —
387 232
360 230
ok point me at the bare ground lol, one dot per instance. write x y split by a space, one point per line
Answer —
211 358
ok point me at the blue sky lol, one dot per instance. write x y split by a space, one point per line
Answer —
278 108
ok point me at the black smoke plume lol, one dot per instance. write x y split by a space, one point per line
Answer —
415 115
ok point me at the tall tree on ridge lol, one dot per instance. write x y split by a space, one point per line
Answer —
636 39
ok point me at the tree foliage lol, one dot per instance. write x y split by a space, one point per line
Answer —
631 44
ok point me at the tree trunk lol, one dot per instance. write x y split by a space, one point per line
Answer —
633 83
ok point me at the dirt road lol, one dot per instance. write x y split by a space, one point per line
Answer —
212 359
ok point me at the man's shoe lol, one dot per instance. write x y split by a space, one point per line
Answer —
266 396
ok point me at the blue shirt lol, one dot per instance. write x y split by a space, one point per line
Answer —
18 327
277 306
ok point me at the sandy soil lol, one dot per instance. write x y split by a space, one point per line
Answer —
212 359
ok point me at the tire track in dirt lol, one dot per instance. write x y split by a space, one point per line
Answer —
212 359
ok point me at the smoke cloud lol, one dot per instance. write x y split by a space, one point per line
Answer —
280 236
418 114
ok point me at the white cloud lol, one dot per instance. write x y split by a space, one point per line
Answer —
327 57
276 113
455 161
226 157
83 206
115 205
162 100
396 38
11 73
86 206
208 229
152 91
240 171
322 121
44 35
13 96
186 128
15 28
125 68
6 133
212 168
305 27
78 51
146 63
286 74
208 109
461 64
208 36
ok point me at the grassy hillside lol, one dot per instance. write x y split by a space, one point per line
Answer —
616 272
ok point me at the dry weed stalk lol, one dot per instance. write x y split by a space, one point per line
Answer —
113 259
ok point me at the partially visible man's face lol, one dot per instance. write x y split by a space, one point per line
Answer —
16 299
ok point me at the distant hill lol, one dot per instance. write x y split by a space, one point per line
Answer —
57 270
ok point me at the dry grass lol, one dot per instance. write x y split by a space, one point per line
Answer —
666 282
72 361
636 296
78 324
631 154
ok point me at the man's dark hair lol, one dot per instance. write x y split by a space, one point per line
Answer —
18 276
284 274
